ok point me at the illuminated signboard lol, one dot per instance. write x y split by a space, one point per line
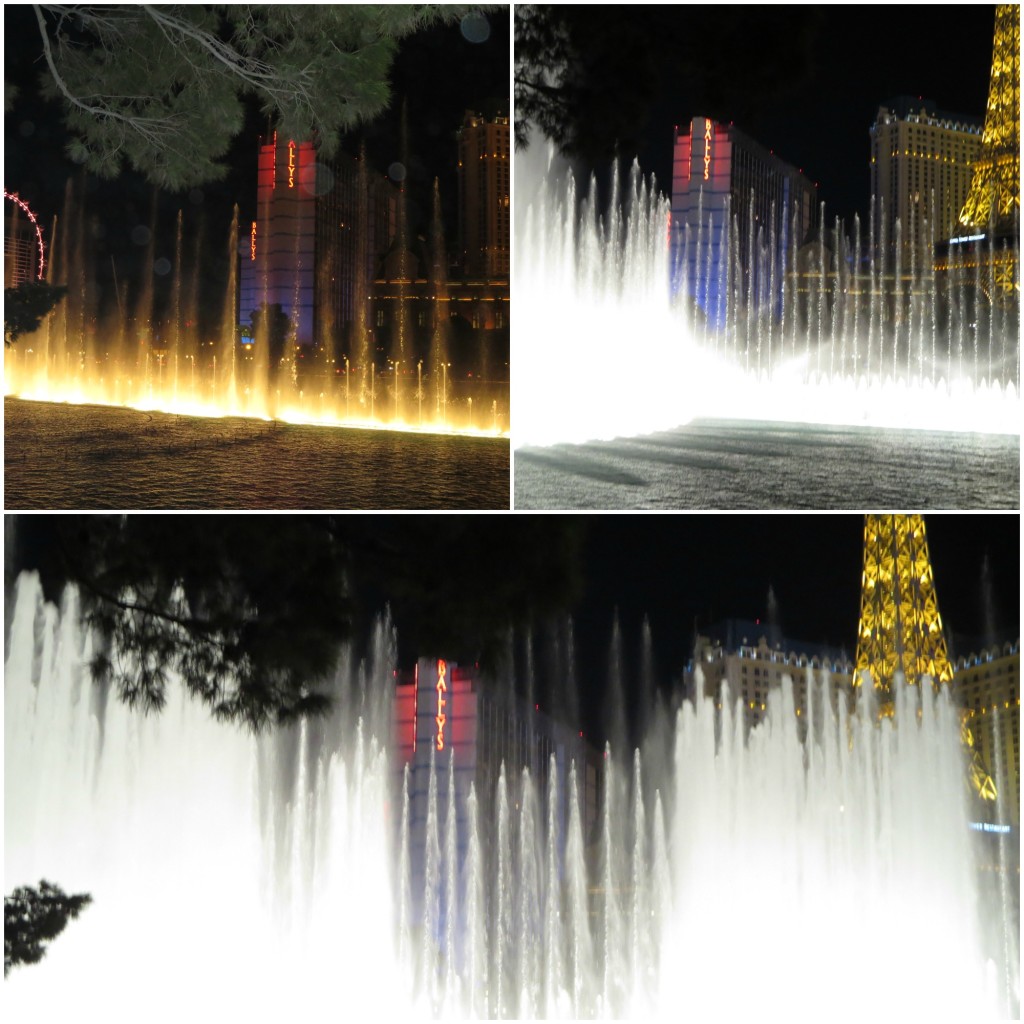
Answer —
291 164
707 148
252 242
442 701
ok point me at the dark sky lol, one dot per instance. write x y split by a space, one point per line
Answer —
439 73
685 569
803 80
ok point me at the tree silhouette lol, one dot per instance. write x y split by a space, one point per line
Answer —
250 612
33 918
27 305
161 87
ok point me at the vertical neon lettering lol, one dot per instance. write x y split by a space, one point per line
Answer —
707 148
291 164
252 242
442 689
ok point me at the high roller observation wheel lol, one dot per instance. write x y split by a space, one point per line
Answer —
41 246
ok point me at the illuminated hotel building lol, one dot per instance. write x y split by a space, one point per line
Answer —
484 190
727 192
921 156
320 229
444 715
987 687
752 657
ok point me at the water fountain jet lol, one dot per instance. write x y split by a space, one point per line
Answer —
264 871
606 351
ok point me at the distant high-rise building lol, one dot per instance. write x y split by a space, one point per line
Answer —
987 686
321 227
728 192
484 190
921 160
446 719
752 658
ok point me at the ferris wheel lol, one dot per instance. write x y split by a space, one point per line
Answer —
39 256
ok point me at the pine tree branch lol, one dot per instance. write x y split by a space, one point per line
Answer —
155 131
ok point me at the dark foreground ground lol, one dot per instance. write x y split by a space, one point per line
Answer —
86 457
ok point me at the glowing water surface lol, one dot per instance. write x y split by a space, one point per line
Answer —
137 359
602 351
244 878
34 379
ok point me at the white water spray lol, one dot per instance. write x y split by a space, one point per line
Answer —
603 351
828 874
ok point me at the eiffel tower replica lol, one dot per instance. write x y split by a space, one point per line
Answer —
985 245
900 627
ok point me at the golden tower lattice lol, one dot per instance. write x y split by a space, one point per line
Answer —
900 628
994 196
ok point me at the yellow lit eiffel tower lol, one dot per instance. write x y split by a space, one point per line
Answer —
994 196
900 627
993 202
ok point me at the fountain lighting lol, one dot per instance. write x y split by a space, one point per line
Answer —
183 401
822 863
604 350
132 358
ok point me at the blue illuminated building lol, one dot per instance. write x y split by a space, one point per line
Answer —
732 201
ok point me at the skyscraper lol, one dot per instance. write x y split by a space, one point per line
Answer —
921 160
320 229
730 194
484 188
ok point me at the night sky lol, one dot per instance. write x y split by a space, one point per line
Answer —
804 80
438 73
687 570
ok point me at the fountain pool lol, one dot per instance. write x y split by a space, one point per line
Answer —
250 877
178 356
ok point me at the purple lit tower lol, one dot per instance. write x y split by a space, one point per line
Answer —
724 185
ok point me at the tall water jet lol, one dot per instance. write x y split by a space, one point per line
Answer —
784 851
442 317
226 350
359 343
162 346
593 357
606 353
183 830
400 342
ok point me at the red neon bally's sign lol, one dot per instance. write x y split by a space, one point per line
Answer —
442 701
